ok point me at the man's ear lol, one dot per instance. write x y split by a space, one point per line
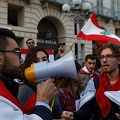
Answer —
84 63
1 59
119 61
58 49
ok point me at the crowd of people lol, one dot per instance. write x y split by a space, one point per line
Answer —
101 103
59 97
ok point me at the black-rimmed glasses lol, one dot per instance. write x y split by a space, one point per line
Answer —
107 57
30 42
18 52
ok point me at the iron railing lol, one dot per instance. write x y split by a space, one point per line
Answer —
106 12
59 2
100 10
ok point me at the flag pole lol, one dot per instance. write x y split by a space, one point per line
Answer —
79 52
77 14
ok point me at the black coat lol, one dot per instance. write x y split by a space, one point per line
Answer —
91 111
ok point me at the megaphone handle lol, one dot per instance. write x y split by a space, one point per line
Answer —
51 107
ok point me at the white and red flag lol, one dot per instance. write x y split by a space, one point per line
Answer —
93 32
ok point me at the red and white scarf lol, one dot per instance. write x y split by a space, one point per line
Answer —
28 106
102 100
6 93
85 71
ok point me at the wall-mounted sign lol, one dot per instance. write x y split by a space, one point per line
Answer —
46 41
47 44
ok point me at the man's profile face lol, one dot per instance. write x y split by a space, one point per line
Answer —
11 62
90 64
30 43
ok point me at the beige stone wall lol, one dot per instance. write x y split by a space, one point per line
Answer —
3 12
33 13
28 30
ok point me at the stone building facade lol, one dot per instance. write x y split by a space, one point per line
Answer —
36 19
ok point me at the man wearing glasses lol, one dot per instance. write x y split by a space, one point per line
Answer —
30 43
10 69
102 103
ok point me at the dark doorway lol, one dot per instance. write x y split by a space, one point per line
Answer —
47 35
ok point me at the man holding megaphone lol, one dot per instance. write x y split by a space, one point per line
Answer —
10 69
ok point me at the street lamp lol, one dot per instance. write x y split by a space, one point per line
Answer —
77 10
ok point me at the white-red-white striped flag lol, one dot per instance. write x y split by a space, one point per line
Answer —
93 32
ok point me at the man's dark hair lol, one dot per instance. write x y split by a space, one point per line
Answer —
90 56
4 33
78 66
115 48
60 44
98 64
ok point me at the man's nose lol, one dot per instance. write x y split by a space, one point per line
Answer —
21 60
92 65
105 58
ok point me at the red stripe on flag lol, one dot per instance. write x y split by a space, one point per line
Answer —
94 37
94 20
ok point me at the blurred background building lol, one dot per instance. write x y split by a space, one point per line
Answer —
46 23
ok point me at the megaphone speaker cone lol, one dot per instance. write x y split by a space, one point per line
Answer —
63 67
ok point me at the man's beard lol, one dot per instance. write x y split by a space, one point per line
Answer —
10 71
111 70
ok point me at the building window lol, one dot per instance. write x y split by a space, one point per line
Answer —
15 15
20 41
100 7
116 8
